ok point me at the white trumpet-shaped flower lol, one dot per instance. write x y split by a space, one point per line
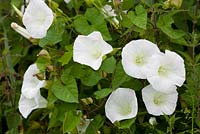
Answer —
89 50
159 103
166 71
37 18
30 97
31 84
136 57
121 104
27 105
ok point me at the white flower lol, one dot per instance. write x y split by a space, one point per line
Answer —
121 104
89 50
37 18
136 57
30 98
166 71
159 103
27 105
67 1
31 84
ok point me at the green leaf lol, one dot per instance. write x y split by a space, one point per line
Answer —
98 22
13 120
94 16
72 119
119 76
93 20
180 41
87 76
82 26
65 58
109 65
95 125
127 4
126 22
58 114
164 24
54 34
133 84
102 93
43 60
139 17
127 123
67 92
90 77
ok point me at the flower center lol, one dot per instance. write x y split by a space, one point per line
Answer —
158 99
125 109
97 54
139 60
162 70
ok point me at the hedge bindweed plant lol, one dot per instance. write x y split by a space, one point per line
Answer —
98 66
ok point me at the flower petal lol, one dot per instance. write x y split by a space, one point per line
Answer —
159 103
89 50
121 104
37 18
162 84
178 68
136 55
31 84
26 105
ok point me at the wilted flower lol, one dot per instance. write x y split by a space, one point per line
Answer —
108 12
121 104
30 98
27 105
89 50
159 103
37 18
136 57
166 71
84 123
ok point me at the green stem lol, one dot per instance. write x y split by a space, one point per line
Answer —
8 62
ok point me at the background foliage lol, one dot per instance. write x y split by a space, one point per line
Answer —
72 86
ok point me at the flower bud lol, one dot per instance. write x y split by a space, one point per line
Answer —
50 68
172 3
176 3
153 121
40 76
20 30
89 2
87 101
43 53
